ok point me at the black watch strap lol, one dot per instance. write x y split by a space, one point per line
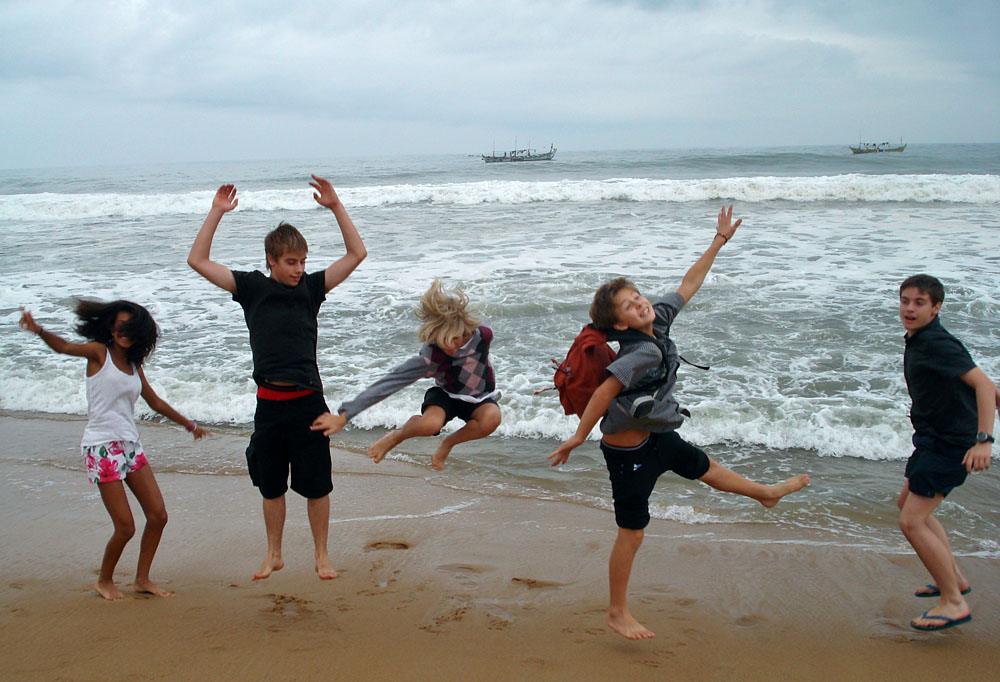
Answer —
983 437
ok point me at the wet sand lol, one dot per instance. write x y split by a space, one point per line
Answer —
437 583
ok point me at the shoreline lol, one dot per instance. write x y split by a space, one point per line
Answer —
437 582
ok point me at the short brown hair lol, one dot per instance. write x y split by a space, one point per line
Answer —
282 239
603 312
926 284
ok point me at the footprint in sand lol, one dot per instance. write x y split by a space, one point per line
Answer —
749 621
534 584
465 574
454 614
287 605
386 544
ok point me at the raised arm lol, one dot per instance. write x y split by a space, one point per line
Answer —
696 274
339 270
93 351
978 456
200 257
596 407
164 408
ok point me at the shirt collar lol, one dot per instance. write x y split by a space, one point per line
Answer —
933 324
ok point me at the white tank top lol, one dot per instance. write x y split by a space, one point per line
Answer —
111 396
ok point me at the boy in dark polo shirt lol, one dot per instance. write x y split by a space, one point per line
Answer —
952 416
639 418
280 313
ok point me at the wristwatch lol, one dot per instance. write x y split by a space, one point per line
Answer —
983 437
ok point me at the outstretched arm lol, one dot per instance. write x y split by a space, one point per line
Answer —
200 257
164 408
338 271
696 274
93 351
400 377
596 407
978 456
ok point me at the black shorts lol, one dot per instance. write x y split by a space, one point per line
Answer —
282 440
935 467
453 407
633 472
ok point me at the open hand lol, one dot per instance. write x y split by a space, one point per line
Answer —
225 199
327 195
726 226
328 423
561 453
200 432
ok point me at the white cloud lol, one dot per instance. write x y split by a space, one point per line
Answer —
619 73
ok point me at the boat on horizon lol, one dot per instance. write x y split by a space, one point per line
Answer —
877 147
517 155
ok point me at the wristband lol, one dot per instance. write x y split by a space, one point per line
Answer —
191 427
719 234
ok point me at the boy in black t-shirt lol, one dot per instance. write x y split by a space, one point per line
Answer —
952 417
280 313
639 438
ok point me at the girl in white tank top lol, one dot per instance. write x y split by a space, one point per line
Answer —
120 336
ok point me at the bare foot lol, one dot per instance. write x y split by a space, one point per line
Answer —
149 587
107 589
380 448
625 625
788 486
270 564
440 455
324 569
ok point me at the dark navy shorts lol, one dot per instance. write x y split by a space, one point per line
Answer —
453 407
634 471
935 466
282 441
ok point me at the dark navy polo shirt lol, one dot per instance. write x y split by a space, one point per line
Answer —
944 407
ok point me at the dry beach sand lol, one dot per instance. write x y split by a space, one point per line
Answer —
444 584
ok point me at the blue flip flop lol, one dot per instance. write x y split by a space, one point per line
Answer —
937 591
948 622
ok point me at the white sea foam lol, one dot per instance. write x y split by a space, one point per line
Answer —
851 187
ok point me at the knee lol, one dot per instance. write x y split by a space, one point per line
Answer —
157 519
908 523
490 421
124 530
631 537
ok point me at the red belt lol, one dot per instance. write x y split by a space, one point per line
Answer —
272 394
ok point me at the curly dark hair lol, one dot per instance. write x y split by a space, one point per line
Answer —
97 321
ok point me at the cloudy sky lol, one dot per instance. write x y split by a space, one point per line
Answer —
130 81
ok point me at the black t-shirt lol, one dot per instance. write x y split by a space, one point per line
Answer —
944 406
282 324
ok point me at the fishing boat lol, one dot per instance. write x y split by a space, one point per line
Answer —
520 155
877 147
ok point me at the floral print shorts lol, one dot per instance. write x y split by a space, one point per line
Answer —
113 461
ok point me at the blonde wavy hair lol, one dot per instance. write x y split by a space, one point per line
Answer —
443 315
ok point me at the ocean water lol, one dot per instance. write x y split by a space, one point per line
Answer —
798 318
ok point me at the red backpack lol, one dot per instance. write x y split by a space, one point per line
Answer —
583 370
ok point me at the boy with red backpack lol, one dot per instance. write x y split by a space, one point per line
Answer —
639 417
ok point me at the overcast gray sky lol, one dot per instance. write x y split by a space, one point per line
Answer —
131 81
